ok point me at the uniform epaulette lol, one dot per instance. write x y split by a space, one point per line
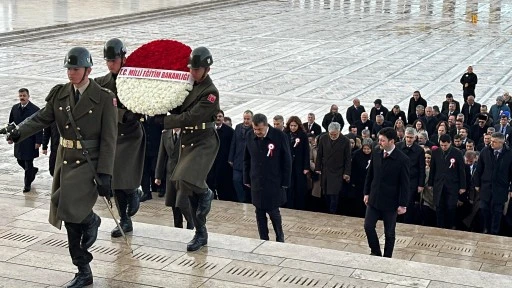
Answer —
53 92
106 90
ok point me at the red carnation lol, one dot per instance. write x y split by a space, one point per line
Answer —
161 54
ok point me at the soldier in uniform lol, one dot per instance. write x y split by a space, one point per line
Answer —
130 146
83 104
199 143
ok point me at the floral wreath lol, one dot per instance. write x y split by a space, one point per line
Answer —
155 77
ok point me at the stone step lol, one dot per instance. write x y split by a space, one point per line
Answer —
18 36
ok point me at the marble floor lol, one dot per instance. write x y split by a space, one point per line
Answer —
274 57
321 251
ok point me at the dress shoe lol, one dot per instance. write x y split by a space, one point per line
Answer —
126 225
161 194
146 197
82 278
34 172
90 231
26 189
133 202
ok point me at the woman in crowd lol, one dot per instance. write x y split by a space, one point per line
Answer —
360 164
296 193
428 209
399 124
419 126
316 189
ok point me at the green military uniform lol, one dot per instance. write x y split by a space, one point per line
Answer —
130 146
198 146
73 191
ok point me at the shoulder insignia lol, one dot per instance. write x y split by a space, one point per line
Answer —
53 92
106 90
211 98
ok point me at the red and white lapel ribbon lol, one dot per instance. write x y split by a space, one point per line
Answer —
270 149
452 161
297 141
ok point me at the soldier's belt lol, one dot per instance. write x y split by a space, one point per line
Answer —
75 144
201 126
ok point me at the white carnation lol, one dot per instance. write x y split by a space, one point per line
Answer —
151 96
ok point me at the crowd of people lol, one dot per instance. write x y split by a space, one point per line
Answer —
444 144
453 168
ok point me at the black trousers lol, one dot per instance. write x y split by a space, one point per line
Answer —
148 175
275 218
79 256
491 216
370 221
28 166
446 211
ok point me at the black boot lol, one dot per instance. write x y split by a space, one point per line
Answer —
126 225
82 278
90 230
125 222
133 200
200 204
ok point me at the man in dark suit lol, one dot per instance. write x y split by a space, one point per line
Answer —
168 155
378 109
220 177
430 121
493 180
416 156
267 171
468 81
51 136
27 150
439 116
333 116
236 156
311 127
396 114
504 127
354 111
479 129
415 100
449 99
385 191
470 109
333 162
448 179
363 124
153 134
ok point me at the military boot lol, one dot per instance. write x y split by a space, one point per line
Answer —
125 222
82 278
126 225
133 200
201 205
90 230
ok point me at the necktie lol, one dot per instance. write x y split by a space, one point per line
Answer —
77 96
175 138
503 130
309 129
496 153
386 154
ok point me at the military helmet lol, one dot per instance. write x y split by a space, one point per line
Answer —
78 57
114 48
200 57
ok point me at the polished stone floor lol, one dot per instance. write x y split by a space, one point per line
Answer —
321 251
275 57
